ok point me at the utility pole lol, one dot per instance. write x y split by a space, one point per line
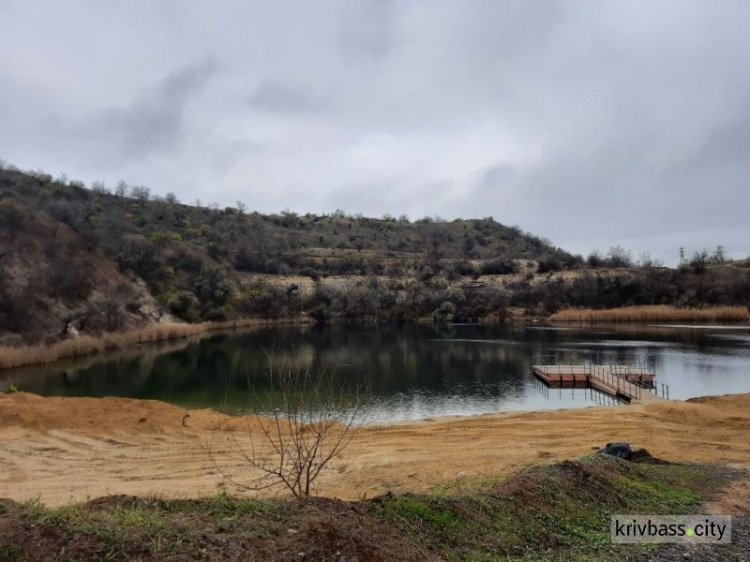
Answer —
682 255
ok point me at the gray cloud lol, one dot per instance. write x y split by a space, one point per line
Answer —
495 177
154 121
367 28
589 123
284 98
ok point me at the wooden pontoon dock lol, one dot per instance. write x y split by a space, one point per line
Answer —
633 384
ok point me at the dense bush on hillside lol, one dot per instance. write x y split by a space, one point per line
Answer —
252 239
726 286
99 259
193 259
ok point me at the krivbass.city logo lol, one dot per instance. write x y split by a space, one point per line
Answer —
687 529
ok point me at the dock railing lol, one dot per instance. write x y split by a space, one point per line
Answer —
625 379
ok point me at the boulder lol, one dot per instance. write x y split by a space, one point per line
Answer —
618 449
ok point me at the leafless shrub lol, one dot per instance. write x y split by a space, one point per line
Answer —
317 413
122 189
12 219
100 187
140 193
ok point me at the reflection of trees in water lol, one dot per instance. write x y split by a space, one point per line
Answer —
493 361
395 360
36 377
398 360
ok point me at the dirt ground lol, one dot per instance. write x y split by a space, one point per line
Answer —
64 450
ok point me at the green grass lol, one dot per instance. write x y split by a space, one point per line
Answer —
551 512
221 506
431 511
10 553
564 514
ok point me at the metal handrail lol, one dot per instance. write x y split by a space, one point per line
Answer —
625 379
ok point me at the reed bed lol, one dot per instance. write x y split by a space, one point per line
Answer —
655 313
11 357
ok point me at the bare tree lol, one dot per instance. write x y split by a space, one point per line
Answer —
241 207
646 261
140 193
100 187
617 256
171 198
317 415
700 261
654 276
122 189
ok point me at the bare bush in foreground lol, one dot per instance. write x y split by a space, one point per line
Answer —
317 413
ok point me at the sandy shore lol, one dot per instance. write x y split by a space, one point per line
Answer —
65 450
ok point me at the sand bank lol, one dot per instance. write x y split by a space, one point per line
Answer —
70 449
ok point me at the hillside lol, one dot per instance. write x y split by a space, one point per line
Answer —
276 244
92 260
76 260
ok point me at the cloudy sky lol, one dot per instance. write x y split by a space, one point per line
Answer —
591 123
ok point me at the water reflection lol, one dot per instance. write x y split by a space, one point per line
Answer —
417 371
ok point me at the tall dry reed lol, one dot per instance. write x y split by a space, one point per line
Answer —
655 313
11 357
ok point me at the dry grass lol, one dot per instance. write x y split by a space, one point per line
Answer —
655 313
11 357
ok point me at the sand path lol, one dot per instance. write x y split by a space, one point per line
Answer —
65 450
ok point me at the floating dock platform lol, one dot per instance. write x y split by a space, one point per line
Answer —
633 384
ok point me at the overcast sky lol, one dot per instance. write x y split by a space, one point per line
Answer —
592 123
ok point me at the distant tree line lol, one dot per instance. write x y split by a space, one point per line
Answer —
205 263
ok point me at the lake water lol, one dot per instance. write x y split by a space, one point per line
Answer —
416 372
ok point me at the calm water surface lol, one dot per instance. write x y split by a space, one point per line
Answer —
416 372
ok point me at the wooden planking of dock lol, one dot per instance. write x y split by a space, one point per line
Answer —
615 380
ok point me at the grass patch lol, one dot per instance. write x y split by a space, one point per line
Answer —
558 511
562 510
8 552
432 512
221 506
